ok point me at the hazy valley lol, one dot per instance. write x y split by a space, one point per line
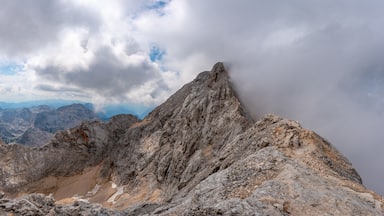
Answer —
34 126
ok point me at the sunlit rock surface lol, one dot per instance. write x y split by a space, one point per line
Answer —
199 153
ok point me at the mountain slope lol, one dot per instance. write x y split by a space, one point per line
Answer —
170 148
198 153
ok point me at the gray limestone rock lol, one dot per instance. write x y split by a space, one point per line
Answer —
41 205
199 153
70 152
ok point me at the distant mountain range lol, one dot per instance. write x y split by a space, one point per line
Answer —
33 123
198 153
36 125
35 103
107 112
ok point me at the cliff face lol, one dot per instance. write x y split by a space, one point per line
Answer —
198 153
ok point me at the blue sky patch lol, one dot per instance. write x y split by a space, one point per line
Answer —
159 4
156 54
10 69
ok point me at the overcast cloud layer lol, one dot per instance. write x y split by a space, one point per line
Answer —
319 62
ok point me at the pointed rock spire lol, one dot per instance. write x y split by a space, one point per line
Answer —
217 73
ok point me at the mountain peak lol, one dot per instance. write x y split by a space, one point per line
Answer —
218 68
196 154
217 74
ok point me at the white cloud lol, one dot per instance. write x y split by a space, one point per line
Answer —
303 60
88 51
307 60
283 37
69 52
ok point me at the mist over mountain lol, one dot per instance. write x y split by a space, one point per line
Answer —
317 62
198 153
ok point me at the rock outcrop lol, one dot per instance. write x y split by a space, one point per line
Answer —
70 152
198 153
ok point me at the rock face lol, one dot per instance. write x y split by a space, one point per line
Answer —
70 152
198 153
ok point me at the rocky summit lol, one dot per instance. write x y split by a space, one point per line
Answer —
199 153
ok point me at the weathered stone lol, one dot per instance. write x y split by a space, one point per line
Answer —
41 205
69 153
198 153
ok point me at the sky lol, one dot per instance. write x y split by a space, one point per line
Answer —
319 62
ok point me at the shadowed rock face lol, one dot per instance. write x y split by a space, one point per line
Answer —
198 153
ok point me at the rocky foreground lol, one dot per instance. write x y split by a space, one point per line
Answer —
199 153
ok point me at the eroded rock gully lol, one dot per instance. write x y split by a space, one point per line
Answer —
198 153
